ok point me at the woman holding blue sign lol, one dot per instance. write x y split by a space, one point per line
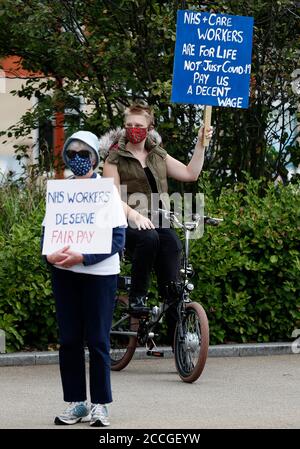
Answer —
137 160
84 287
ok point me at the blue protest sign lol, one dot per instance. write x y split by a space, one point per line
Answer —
212 61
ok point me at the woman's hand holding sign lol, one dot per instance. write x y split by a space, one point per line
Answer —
65 257
58 256
73 258
204 134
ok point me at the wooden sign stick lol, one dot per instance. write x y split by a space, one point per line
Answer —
207 121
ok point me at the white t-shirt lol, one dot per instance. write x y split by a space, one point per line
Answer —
110 265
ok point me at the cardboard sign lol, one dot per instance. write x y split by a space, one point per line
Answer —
81 213
212 61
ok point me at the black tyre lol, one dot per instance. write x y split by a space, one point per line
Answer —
191 345
123 335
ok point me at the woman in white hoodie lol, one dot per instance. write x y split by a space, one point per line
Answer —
84 287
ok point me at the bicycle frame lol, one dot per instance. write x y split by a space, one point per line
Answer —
191 336
147 324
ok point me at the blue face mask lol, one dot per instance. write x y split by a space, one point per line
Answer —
80 166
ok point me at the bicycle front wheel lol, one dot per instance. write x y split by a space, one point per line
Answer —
191 342
123 335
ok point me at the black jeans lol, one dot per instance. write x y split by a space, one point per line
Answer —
84 307
158 249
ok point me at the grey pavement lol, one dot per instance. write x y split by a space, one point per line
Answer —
233 392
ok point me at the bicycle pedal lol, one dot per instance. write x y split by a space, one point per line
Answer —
152 353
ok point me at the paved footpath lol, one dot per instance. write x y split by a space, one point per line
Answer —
233 392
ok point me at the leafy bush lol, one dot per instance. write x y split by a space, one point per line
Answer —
247 269
26 302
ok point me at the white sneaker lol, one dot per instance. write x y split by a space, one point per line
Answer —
99 415
74 413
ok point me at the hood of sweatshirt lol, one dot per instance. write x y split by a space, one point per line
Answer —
87 137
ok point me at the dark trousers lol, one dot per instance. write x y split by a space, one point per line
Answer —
158 249
84 308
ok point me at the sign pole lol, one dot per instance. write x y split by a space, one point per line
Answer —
207 122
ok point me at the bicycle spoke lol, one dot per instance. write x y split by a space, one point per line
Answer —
123 335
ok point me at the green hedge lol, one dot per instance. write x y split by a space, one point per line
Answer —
27 312
246 270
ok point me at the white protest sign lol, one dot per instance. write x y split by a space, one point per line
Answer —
79 213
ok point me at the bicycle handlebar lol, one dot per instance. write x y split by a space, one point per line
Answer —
196 219
212 221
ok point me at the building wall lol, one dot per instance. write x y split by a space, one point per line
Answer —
11 110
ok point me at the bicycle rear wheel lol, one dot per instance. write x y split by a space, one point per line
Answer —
191 344
123 335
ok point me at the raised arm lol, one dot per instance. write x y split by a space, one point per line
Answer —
190 172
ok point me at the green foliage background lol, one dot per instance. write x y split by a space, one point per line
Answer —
246 269
112 52
27 311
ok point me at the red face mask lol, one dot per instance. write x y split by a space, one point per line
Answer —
136 135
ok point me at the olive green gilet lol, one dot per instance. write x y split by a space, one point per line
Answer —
132 173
